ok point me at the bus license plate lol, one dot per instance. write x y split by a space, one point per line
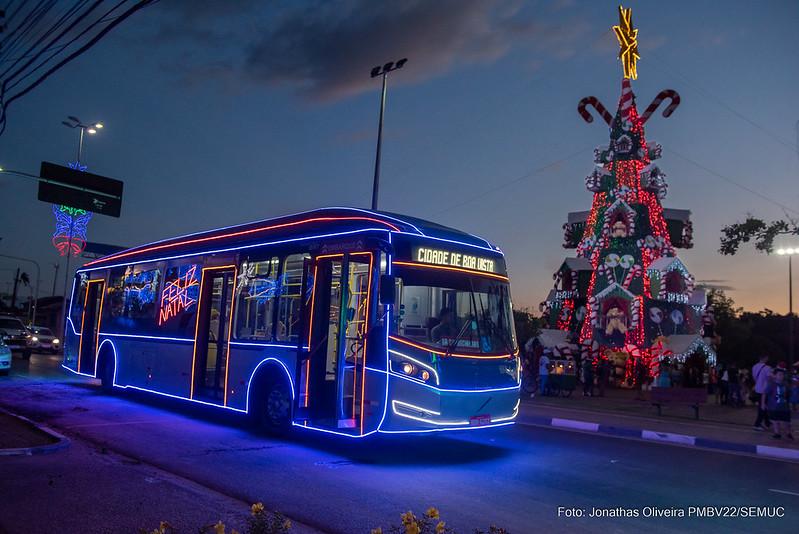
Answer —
480 420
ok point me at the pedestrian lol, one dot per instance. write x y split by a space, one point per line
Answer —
794 391
734 386
761 374
724 385
588 377
743 381
777 401
604 372
543 373
641 377
664 374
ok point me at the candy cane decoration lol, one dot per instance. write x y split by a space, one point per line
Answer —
597 105
671 94
635 271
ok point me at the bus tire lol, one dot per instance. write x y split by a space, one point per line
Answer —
105 372
273 403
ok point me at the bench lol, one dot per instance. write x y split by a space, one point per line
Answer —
690 396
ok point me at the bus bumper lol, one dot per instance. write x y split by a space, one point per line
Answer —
415 407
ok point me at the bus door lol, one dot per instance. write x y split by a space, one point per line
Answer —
90 326
332 370
213 334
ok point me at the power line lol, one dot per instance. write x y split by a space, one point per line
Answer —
73 25
518 179
733 182
724 105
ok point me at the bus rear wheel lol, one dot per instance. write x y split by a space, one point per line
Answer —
273 411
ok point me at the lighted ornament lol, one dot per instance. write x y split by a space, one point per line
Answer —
628 42
70 229
656 315
70 224
627 261
676 317
612 260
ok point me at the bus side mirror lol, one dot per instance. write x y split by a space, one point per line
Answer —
387 283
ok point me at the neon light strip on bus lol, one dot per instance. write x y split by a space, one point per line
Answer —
395 403
453 355
83 317
453 269
229 249
237 234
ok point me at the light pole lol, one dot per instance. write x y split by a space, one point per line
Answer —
382 71
91 129
789 252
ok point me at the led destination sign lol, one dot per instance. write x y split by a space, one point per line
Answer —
454 259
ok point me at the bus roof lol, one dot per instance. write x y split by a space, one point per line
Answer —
322 222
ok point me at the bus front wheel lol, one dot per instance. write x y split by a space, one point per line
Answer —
106 374
273 411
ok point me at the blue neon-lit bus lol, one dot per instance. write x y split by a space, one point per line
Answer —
339 320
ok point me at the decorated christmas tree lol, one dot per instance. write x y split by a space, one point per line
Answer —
626 296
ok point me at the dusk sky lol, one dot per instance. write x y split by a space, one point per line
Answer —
220 113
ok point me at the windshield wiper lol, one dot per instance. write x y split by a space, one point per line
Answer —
454 344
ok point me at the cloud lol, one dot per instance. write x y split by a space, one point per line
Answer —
325 50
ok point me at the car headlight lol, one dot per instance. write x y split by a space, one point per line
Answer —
35 339
56 341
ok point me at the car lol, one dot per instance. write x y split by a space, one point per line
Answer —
44 339
5 357
17 336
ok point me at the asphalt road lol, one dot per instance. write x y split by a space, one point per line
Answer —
517 477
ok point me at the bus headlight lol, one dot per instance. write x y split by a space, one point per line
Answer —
425 375
407 368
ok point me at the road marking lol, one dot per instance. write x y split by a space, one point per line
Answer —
786 492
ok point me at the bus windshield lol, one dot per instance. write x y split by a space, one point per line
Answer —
454 312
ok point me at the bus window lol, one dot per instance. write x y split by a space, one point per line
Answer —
178 301
255 300
115 294
141 288
79 295
289 319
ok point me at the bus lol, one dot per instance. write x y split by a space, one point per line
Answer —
338 320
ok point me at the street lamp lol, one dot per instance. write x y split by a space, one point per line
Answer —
382 71
91 129
790 252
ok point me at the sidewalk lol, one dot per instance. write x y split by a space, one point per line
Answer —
618 413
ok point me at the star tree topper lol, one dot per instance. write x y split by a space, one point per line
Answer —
628 42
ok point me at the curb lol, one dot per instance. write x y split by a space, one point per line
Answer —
62 443
777 453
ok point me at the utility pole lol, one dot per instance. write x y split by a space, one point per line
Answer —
55 276
382 71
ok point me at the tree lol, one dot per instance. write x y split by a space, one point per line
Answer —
763 234
527 325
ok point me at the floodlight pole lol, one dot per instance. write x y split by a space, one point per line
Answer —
80 145
382 71
376 183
